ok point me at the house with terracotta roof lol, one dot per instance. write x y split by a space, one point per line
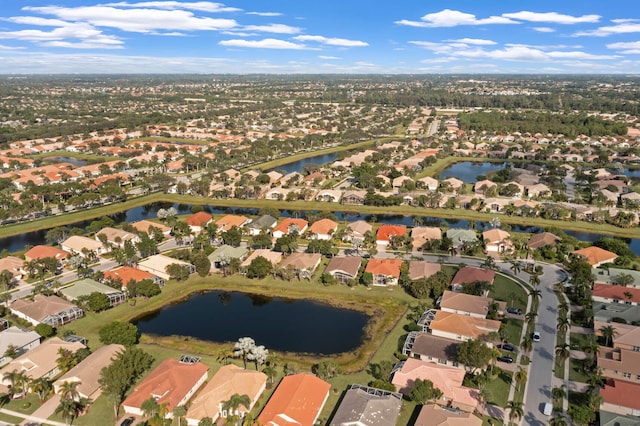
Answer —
344 268
158 263
497 241
469 274
228 221
172 383
615 294
87 373
116 237
357 230
78 245
385 233
147 225
290 225
298 400
596 256
19 339
198 221
427 347
272 256
420 269
385 271
622 362
459 327
322 229
51 310
43 252
228 380
436 415
620 397
542 239
13 264
421 234
447 379
127 274
40 361
364 405
469 304
303 264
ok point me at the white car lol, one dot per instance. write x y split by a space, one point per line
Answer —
536 336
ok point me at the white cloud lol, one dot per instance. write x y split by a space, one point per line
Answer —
474 41
265 13
3 47
544 29
202 6
434 47
267 43
453 18
628 48
623 28
273 28
551 17
624 20
332 41
85 34
329 57
136 20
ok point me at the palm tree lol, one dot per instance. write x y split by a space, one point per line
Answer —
609 333
516 266
527 343
559 393
516 411
520 377
591 347
563 308
270 372
243 348
530 318
42 387
562 352
17 381
534 280
563 325
232 405
535 295
558 420
595 381
68 410
179 412
69 390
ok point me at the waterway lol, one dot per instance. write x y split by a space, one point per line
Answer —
298 166
301 326
468 171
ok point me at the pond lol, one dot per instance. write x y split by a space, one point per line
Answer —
79 162
301 326
298 166
468 171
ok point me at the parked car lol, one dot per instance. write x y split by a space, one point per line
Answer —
505 358
507 347
128 421
515 311
536 336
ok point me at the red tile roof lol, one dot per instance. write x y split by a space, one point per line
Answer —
622 393
386 267
595 255
297 401
42 252
385 232
323 227
198 219
127 274
609 291
286 223
469 274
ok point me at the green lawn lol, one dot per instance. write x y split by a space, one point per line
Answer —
575 371
10 419
513 328
499 389
25 405
578 340
490 421
509 291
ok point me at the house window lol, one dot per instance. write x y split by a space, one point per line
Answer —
638 377
636 348
442 361
626 375
455 364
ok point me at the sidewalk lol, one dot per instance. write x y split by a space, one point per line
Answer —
31 419
45 410
581 330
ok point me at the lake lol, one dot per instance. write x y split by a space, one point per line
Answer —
468 171
298 166
291 325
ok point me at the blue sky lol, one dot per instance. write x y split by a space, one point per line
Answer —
320 36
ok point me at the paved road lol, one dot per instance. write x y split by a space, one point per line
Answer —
540 376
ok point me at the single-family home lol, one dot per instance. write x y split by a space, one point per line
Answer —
329 195
420 269
460 327
81 245
147 226
264 223
620 397
344 268
272 256
303 264
436 415
51 310
298 400
460 237
364 405
322 229
454 183
542 239
116 237
615 294
127 274
87 286
228 221
228 380
42 252
447 379
223 254
428 182
20 340
158 263
87 373
290 225
385 271
469 304
14 265
354 197
596 256
497 241
198 221
357 230
386 233
469 274
481 187
172 383
427 347
41 361
421 234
